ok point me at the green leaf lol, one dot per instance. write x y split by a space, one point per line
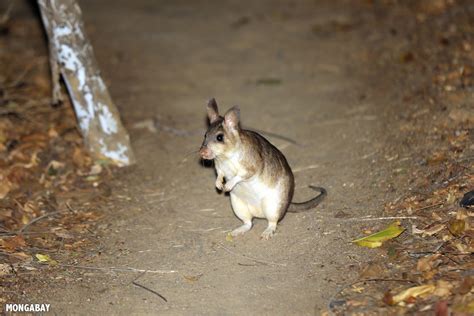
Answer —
376 240
45 259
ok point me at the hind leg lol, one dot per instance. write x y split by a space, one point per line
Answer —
272 209
242 211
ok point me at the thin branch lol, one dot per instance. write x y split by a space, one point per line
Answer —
37 219
150 290
115 269
378 218
428 206
251 258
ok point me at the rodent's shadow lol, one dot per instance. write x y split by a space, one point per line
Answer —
206 163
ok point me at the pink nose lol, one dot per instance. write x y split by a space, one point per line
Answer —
205 153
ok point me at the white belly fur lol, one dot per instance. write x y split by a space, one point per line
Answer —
254 192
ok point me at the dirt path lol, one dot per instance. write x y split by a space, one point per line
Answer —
295 68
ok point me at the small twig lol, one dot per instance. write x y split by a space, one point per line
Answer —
125 269
9 234
134 282
37 219
428 206
379 218
69 208
251 258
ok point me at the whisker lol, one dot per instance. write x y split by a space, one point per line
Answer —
190 153
186 155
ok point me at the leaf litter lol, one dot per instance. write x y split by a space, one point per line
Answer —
435 134
48 182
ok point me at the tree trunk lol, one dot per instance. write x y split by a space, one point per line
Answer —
72 57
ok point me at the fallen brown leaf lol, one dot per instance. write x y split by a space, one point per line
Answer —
414 292
427 263
12 243
466 286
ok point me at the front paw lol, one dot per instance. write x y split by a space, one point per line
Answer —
219 185
228 187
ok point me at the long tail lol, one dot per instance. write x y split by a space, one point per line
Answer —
304 206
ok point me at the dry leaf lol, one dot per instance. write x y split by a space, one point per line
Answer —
467 308
466 285
5 187
413 292
457 227
13 243
426 264
5 269
52 133
192 278
428 232
450 198
95 170
443 288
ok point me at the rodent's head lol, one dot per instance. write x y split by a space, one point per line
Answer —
222 136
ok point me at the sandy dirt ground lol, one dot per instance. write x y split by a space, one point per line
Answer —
300 69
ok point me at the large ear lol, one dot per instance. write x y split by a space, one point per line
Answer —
212 111
232 119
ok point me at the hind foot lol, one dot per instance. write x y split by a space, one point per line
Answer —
269 231
241 230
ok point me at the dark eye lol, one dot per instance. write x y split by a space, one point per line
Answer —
220 138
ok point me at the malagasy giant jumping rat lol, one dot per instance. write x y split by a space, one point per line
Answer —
255 172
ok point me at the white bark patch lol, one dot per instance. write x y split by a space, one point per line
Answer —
119 155
85 115
107 120
70 60
100 83
59 31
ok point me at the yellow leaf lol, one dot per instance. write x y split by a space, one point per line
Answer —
45 259
414 292
376 240
457 227
464 308
443 288
24 219
368 243
229 238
